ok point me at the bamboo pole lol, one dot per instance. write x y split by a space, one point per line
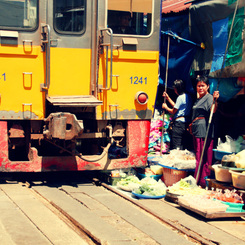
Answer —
166 83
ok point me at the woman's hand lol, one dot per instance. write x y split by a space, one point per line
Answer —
165 95
216 95
164 106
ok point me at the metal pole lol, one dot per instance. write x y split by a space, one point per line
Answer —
166 82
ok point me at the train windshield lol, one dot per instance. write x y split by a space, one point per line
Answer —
69 16
130 17
20 14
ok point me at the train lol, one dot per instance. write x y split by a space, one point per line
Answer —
75 94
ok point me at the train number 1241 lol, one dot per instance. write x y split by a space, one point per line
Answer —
4 76
138 80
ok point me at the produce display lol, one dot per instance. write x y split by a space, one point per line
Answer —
118 173
202 203
188 193
129 183
147 186
151 187
186 186
152 170
214 201
180 159
156 169
227 196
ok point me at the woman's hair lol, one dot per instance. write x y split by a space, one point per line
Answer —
180 86
202 79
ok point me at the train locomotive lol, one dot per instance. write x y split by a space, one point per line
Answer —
76 94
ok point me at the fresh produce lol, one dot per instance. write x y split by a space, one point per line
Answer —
118 173
180 159
148 171
151 187
129 183
129 179
185 191
156 169
186 186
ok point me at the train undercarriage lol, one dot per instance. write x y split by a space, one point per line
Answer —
67 142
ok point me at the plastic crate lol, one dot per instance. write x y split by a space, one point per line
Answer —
171 176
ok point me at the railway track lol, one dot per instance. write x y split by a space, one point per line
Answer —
87 212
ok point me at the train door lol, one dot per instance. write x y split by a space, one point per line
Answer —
68 53
130 53
21 63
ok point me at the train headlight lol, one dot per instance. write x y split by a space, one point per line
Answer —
141 97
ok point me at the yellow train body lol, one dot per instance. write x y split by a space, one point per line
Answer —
22 73
75 92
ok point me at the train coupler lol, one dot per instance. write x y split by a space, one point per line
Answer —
63 126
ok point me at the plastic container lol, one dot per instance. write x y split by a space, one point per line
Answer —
222 174
229 161
171 176
155 176
234 207
147 197
218 155
238 179
106 177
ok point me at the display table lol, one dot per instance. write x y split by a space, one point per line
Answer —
214 215
212 183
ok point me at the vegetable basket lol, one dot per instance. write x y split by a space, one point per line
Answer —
171 175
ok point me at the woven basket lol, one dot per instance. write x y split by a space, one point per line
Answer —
171 176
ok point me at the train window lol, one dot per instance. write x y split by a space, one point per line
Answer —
18 14
131 17
69 16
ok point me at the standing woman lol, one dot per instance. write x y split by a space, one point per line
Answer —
200 117
182 114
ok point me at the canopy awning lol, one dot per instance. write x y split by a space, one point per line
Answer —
175 6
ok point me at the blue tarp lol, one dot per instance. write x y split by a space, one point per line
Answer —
181 52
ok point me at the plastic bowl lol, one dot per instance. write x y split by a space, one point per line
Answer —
222 174
219 154
155 176
238 179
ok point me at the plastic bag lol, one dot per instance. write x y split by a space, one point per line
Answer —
190 180
230 145
238 144
180 159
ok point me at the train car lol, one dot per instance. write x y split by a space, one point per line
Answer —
75 92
